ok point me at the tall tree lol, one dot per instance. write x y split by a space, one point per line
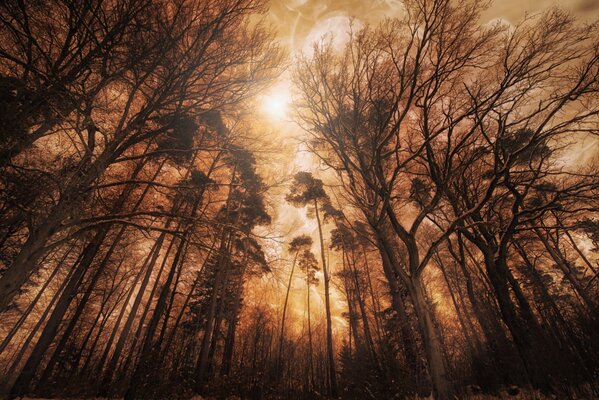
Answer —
405 108
176 71
297 244
307 263
309 191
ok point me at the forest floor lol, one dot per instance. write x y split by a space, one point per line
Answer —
522 395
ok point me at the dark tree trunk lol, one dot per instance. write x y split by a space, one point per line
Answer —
330 348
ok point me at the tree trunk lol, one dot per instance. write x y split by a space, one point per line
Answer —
410 347
570 338
465 327
40 322
148 350
39 294
431 339
219 278
311 381
231 330
330 349
561 262
281 335
363 313
23 382
66 334
526 342
116 355
196 281
376 305
33 249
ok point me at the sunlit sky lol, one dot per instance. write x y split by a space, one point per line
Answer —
300 23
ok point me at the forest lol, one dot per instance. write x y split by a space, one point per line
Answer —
421 220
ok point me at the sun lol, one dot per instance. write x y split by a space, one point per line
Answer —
275 106
275 103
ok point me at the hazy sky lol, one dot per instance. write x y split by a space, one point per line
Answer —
301 19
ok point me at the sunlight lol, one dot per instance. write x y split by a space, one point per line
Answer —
275 103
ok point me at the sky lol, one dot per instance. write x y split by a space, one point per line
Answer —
300 23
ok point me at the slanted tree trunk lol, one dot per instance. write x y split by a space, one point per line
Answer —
473 344
32 334
568 271
527 341
101 312
282 333
147 350
147 267
564 330
487 318
66 334
195 284
39 294
216 332
27 260
87 257
221 266
232 325
23 382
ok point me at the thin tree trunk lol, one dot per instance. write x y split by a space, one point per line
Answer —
376 304
330 349
148 350
66 334
568 336
27 260
461 319
40 322
232 327
408 334
526 342
310 346
187 299
23 382
39 294
281 335
124 335
362 306
561 262
221 266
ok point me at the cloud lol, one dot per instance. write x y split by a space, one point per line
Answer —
336 29
301 22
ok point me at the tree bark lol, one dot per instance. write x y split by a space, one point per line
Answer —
432 342
282 333
330 349
34 248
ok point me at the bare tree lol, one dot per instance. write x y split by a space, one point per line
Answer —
396 111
